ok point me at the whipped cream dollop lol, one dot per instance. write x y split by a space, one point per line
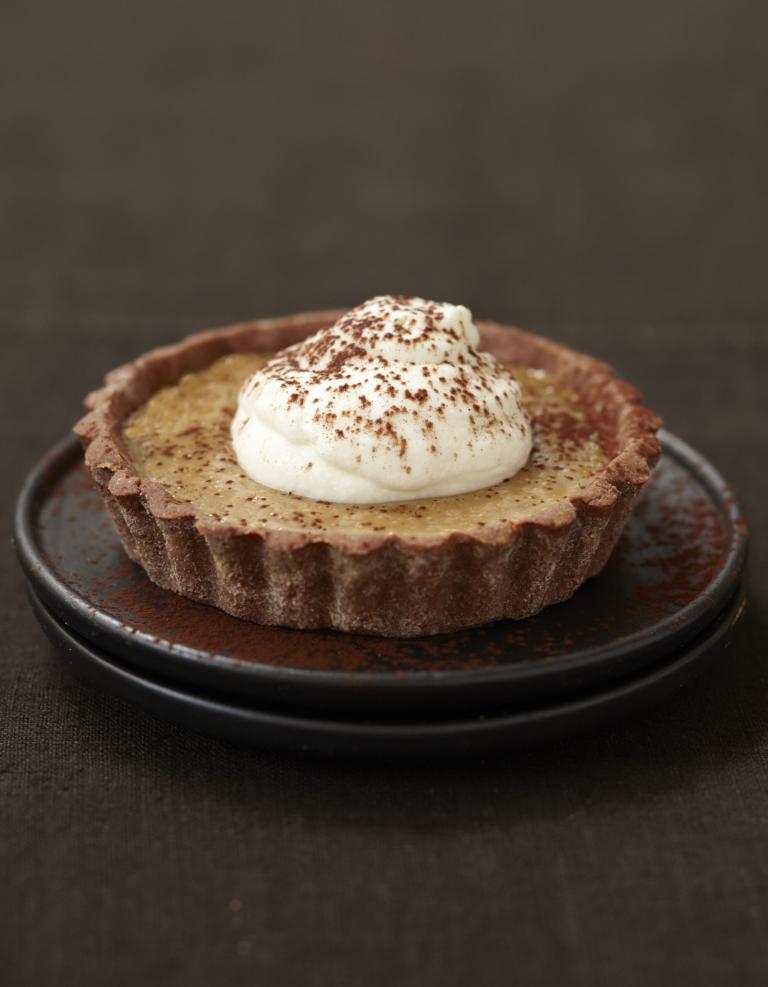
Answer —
392 402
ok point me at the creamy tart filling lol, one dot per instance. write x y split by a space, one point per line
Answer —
181 439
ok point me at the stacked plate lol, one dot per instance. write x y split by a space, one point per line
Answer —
663 607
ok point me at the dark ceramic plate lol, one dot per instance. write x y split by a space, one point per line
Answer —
401 738
676 567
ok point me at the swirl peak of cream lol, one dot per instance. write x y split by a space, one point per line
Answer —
392 402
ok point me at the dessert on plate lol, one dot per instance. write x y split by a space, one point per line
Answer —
394 469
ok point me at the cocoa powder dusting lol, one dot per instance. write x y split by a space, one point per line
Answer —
669 555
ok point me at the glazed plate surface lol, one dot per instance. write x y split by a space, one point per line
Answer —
392 739
675 570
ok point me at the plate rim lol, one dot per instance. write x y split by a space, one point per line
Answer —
640 692
68 603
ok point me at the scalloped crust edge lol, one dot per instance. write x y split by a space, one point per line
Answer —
371 583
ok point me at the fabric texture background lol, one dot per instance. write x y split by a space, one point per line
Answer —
595 172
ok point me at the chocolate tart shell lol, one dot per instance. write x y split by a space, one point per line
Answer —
368 582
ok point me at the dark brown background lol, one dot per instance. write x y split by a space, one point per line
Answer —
596 171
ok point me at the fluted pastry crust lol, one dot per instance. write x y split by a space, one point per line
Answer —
371 582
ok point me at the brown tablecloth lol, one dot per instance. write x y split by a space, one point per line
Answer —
597 172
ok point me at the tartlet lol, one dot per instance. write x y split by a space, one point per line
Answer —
422 567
